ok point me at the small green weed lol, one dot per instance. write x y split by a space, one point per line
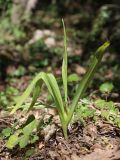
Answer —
83 111
6 132
106 87
22 136
102 109
25 134
108 111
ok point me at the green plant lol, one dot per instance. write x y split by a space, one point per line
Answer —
83 111
106 87
108 111
6 132
65 110
20 71
24 135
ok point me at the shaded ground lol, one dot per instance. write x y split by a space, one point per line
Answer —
98 140
93 141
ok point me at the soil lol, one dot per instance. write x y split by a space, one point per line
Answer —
93 141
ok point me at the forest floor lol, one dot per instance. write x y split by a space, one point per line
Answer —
88 138
93 141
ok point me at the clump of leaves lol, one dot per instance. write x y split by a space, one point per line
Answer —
65 110
83 111
108 111
23 135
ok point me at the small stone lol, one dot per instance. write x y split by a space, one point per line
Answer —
47 32
41 145
37 35
50 42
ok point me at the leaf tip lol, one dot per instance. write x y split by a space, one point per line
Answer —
103 47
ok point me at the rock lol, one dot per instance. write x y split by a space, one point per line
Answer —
79 69
49 131
37 35
47 32
50 42
44 34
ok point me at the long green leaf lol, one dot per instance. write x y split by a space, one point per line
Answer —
56 92
64 64
26 93
36 93
95 61
52 86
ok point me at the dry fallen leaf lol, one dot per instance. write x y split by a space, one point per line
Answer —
78 69
49 131
41 145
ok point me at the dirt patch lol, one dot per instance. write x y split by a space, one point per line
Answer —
99 141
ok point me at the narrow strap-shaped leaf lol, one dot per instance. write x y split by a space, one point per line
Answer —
64 64
26 93
52 86
56 92
36 93
95 61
